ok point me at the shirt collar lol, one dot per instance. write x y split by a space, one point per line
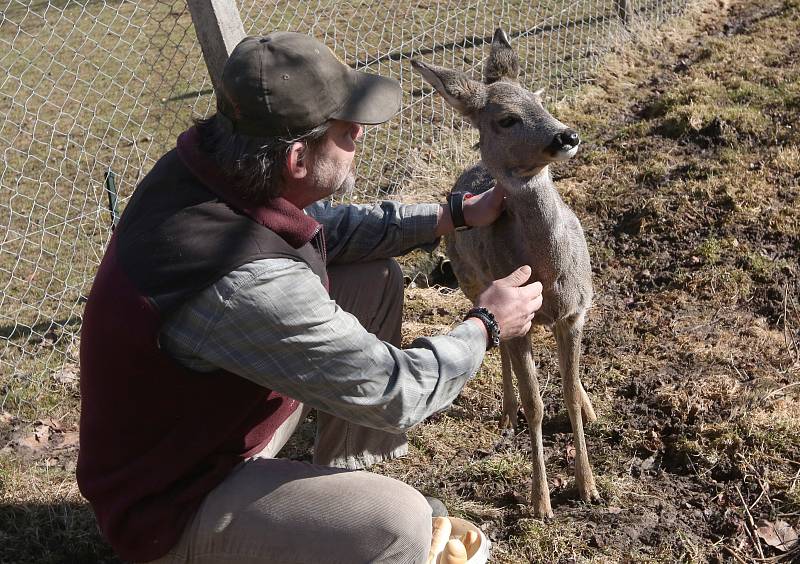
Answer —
278 215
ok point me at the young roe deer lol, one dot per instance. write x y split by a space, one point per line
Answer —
518 140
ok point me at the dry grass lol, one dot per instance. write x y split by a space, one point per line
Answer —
688 189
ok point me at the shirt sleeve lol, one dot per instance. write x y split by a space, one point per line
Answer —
272 322
360 232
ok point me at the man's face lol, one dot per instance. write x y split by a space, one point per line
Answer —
331 161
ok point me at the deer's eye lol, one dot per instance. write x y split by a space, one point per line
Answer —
508 121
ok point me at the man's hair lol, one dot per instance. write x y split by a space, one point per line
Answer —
254 163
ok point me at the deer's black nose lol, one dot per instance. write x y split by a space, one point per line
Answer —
567 139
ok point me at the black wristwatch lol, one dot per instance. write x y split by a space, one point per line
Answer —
455 202
489 322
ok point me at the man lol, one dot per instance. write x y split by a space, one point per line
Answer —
211 323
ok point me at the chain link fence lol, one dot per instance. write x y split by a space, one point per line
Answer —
93 92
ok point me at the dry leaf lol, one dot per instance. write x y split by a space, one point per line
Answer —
615 510
37 441
51 423
69 440
570 453
778 534
41 431
648 463
6 418
47 435
69 374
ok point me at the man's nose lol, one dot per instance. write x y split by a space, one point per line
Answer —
357 131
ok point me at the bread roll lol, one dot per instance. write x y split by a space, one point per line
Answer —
441 534
454 553
472 541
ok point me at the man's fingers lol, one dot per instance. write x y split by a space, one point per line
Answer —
517 278
536 304
533 306
532 290
498 192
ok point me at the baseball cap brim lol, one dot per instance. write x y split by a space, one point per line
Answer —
374 99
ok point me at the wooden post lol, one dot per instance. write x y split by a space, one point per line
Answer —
219 29
624 11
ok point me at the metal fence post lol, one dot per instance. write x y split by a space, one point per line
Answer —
624 11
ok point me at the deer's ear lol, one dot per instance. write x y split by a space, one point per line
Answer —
463 94
502 62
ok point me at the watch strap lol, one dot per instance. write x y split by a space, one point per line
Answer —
455 203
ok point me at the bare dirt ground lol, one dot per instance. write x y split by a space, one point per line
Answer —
687 185
688 188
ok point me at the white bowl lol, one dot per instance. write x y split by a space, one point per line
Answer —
460 527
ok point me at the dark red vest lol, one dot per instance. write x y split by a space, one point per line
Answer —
155 437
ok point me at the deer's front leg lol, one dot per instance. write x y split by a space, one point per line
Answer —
508 419
522 360
568 336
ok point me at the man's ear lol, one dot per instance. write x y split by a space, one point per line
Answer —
296 161
464 95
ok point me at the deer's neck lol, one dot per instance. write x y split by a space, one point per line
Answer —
535 202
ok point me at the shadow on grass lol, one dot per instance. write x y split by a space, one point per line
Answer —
19 331
59 533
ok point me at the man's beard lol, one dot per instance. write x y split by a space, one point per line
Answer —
332 180
348 184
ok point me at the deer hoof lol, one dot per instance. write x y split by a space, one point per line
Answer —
508 421
591 496
543 513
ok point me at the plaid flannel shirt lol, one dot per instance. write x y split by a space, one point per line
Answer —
272 321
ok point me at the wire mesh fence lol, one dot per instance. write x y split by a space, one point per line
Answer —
93 92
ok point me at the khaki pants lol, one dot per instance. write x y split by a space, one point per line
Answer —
283 511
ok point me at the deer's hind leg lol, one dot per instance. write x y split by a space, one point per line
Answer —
521 357
568 336
508 418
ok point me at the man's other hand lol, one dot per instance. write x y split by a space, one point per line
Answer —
483 209
513 303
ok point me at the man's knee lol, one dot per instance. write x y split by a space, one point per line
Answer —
393 275
393 317
393 283
402 523
373 292
387 275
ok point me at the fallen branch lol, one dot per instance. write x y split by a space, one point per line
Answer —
750 525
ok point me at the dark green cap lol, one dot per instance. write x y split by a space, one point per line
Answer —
285 84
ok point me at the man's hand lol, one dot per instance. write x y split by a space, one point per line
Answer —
484 208
512 304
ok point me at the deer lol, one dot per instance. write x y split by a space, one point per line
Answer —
519 139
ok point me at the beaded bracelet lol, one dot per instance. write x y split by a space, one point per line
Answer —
489 322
